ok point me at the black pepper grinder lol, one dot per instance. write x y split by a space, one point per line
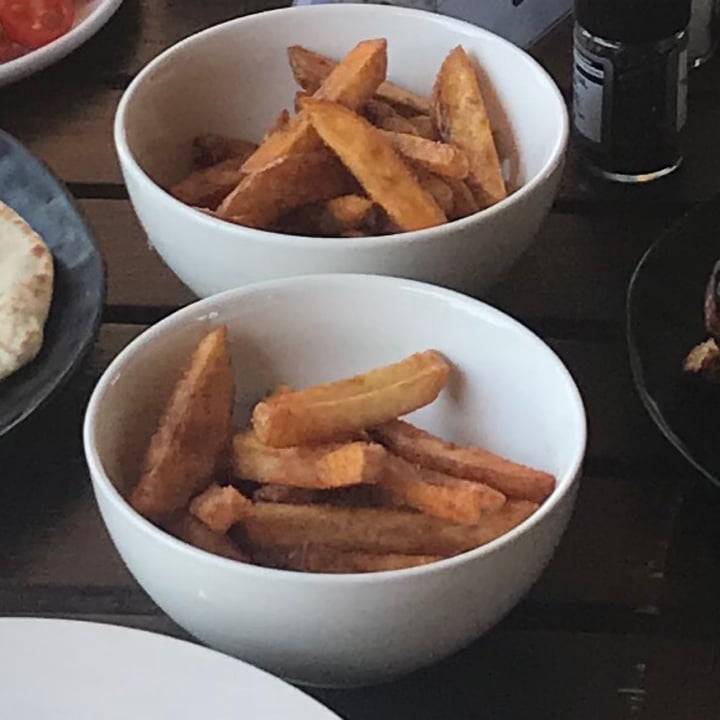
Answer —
630 86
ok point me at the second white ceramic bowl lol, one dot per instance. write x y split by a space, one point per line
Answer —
508 391
233 79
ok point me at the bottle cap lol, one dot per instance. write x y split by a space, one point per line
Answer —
635 21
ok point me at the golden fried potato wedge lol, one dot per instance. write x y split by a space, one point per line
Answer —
319 466
211 148
377 167
310 69
464 202
384 116
425 127
192 433
314 558
375 530
471 462
190 530
208 187
219 507
326 412
332 218
437 187
458 110
352 82
295 180
438 494
279 124
350 496
437 157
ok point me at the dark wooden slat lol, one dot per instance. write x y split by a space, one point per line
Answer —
507 675
579 266
694 560
67 125
136 274
616 545
619 428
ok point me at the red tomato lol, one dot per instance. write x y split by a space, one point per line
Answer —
8 49
34 23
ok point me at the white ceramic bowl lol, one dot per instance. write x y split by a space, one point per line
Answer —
234 78
508 391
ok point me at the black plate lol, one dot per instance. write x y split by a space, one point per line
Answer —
34 193
665 320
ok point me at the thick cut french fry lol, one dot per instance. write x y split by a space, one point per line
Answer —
210 149
437 157
332 218
384 116
325 412
377 167
308 467
351 82
471 463
437 187
364 461
206 188
375 530
318 559
287 494
464 202
425 127
279 124
396 124
438 494
349 212
195 533
351 496
461 118
192 433
262 197
310 69
218 507
300 95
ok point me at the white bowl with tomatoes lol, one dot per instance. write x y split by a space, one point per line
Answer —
36 34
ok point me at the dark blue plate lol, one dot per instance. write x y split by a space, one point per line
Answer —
28 187
665 320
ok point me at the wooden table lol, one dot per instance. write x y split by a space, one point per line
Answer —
623 624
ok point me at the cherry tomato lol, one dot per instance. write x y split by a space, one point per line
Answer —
8 49
34 23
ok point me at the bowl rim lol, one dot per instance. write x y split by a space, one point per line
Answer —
130 164
203 310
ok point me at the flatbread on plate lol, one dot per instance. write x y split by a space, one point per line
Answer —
26 286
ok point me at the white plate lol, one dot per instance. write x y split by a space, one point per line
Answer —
85 671
91 15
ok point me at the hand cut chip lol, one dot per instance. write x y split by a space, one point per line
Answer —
192 433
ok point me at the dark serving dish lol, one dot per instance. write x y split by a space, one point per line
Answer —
664 321
33 192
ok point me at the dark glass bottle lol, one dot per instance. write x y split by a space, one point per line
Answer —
630 86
